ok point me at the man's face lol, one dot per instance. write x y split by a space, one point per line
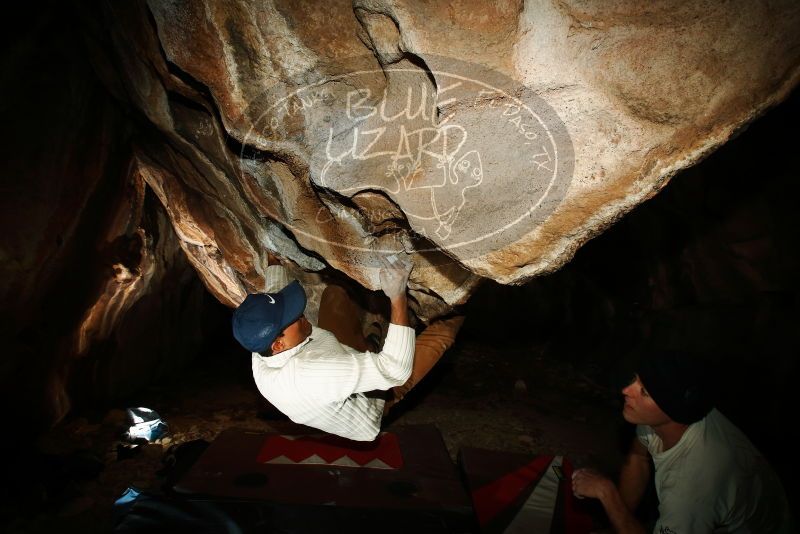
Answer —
640 408
292 335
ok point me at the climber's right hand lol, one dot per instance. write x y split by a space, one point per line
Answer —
394 274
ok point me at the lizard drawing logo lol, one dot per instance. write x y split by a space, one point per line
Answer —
429 170
461 155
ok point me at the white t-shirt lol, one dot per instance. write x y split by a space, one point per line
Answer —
714 480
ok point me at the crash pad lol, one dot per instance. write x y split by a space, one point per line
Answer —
405 474
383 453
513 492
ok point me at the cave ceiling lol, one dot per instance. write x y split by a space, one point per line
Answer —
489 140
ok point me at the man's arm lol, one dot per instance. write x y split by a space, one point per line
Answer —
590 483
394 283
344 374
395 361
635 475
619 503
397 355
399 312
621 517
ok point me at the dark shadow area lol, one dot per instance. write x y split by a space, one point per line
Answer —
707 266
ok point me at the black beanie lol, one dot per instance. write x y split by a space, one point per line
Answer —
679 384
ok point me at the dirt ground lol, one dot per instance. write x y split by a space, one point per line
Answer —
513 399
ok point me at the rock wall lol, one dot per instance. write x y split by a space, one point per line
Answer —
97 296
488 140
151 140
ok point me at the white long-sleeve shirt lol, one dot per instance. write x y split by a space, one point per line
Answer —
321 383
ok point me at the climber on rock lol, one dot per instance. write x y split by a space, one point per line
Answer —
328 376
708 476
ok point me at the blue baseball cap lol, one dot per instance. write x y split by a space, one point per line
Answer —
262 317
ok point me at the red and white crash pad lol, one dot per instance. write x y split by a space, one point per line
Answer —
523 493
404 480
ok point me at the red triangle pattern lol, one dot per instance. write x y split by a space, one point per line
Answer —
496 496
385 448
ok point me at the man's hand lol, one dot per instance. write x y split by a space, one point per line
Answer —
394 275
590 483
394 281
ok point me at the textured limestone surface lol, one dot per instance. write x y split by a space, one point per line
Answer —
97 297
487 139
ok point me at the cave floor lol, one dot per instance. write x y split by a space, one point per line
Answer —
512 400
